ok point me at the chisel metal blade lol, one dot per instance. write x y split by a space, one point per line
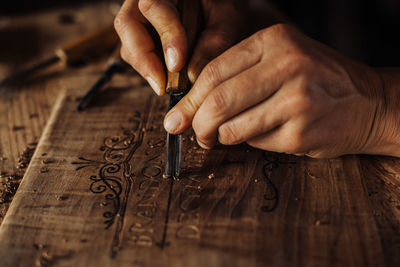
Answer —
113 68
174 144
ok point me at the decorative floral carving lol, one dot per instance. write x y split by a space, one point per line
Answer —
114 177
271 161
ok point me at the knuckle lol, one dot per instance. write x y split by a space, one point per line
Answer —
303 101
297 140
261 34
254 46
300 61
129 58
189 104
204 134
278 32
296 55
282 30
258 38
197 127
121 20
211 72
124 54
228 134
217 102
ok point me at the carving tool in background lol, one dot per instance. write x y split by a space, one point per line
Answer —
91 45
115 65
178 82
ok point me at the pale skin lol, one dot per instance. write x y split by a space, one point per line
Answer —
276 89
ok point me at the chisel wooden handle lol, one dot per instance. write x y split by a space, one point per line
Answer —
90 45
190 11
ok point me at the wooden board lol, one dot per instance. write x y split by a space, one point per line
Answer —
25 108
235 206
94 195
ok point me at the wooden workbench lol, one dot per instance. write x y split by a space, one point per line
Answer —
93 193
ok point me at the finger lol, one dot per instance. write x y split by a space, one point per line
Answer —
138 48
233 97
164 17
290 138
279 102
274 140
255 121
235 60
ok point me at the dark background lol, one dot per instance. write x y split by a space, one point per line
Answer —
363 29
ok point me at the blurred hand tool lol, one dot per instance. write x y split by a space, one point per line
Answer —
115 65
178 82
91 45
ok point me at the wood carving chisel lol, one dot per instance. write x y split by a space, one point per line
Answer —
178 82
115 65
91 45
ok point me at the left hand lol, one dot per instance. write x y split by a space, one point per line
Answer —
282 91
224 27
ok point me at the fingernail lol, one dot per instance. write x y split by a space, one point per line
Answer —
172 58
172 122
153 85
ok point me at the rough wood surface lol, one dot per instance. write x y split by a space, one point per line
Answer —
94 194
25 108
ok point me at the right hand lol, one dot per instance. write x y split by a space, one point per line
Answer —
224 27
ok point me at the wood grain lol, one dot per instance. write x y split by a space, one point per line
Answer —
382 182
94 194
26 107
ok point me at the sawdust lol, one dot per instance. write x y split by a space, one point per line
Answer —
9 183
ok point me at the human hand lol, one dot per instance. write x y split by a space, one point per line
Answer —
223 28
282 91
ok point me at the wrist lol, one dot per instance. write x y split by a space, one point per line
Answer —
386 139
